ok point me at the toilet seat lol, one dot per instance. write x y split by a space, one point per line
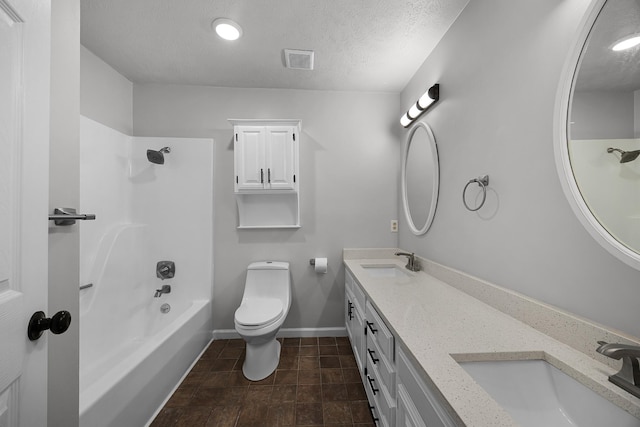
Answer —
258 311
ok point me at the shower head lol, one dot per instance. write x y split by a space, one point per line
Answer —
625 156
157 157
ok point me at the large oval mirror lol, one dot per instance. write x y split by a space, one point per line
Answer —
420 178
600 140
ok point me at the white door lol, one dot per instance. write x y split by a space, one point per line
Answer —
24 157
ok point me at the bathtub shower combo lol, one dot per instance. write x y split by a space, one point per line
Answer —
147 314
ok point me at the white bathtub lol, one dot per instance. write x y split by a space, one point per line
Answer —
131 354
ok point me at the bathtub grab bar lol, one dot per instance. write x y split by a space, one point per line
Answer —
88 285
68 216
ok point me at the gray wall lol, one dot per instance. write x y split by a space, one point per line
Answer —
106 96
349 157
499 67
602 115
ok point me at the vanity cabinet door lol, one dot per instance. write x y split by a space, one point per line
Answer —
418 404
407 414
354 320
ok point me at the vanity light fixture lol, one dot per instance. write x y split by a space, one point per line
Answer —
227 29
627 43
422 105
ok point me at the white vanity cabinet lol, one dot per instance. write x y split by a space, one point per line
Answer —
397 394
267 179
418 403
265 157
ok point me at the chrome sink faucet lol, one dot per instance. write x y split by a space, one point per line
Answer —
629 376
166 289
411 261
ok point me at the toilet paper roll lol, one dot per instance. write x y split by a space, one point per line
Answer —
321 265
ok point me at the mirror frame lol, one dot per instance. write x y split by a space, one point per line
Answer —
436 178
562 111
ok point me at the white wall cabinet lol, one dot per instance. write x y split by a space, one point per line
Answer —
397 394
266 157
266 181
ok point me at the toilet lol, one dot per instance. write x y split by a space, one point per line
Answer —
264 307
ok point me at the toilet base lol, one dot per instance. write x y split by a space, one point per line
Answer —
261 360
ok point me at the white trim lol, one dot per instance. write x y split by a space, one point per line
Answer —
341 331
563 165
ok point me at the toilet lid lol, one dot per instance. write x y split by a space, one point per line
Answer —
258 311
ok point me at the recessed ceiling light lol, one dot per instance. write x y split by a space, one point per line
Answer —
627 43
227 29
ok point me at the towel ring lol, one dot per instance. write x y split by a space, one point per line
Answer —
482 181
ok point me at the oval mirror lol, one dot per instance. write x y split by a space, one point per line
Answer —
420 178
598 133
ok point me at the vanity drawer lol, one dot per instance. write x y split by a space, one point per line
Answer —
383 368
384 407
355 289
378 331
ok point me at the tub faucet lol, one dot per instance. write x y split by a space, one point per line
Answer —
411 261
629 376
166 289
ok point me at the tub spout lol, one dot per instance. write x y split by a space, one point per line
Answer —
166 289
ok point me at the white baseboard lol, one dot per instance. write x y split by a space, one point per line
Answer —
221 334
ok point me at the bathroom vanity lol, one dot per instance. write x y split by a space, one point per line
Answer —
412 335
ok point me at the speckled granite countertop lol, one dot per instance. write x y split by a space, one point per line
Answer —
440 326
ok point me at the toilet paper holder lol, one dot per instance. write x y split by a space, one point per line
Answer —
312 261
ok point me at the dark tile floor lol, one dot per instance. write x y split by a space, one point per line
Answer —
316 384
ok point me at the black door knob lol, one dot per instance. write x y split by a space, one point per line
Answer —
39 323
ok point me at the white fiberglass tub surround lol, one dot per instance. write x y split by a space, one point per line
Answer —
132 355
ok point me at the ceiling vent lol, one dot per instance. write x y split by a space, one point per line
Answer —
299 59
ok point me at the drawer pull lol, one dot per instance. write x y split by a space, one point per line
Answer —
372 356
373 415
373 389
350 310
370 325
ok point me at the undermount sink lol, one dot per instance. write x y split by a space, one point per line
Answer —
384 270
535 393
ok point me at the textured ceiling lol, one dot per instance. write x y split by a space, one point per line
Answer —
603 69
368 45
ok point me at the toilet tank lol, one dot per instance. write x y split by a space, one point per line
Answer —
268 279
